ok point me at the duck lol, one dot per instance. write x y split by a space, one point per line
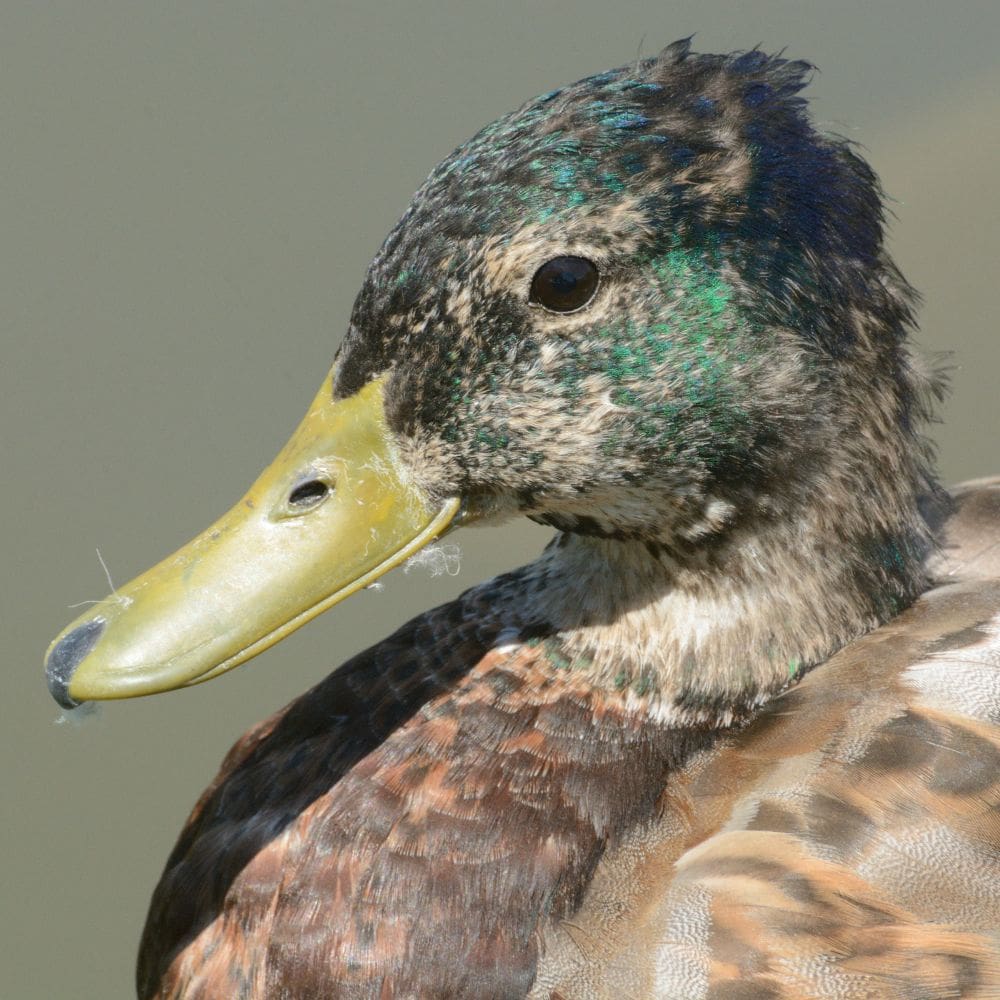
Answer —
735 733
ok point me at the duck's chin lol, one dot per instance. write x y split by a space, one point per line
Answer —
676 524
486 509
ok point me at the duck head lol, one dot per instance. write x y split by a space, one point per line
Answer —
653 306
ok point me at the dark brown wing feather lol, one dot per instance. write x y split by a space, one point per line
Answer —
405 828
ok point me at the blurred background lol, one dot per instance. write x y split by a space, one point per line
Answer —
190 194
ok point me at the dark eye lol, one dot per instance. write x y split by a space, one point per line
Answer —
564 284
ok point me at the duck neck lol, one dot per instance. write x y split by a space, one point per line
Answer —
708 634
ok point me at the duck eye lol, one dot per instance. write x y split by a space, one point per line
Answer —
564 284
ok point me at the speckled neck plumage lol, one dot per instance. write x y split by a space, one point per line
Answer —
710 628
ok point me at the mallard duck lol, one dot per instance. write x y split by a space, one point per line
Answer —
736 732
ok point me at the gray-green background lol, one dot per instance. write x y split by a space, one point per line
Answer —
189 193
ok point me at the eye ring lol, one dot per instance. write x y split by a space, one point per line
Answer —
564 284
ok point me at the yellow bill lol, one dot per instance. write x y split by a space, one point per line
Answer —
334 512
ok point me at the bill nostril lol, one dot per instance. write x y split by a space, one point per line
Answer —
308 494
65 657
